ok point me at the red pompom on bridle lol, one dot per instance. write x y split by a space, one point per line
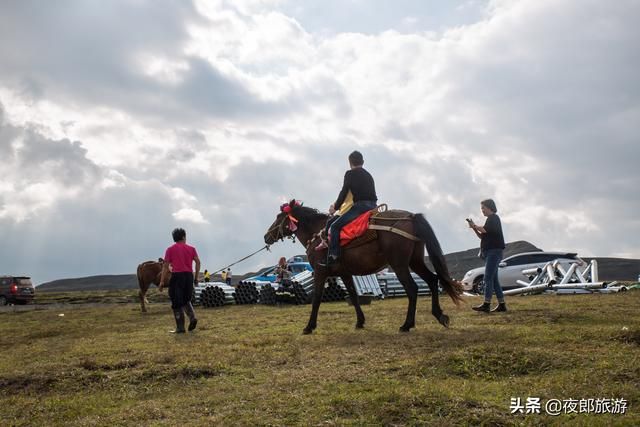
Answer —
287 208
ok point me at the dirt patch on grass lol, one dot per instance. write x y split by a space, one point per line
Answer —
26 383
180 374
491 363
72 380
88 373
92 365
628 337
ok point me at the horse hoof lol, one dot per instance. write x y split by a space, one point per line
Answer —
404 329
359 325
444 320
307 331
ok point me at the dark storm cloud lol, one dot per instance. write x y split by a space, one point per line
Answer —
101 229
206 90
551 106
69 240
63 161
30 157
87 43
91 51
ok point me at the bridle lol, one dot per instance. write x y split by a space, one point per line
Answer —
280 234
292 227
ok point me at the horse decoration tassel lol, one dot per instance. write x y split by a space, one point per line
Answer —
286 208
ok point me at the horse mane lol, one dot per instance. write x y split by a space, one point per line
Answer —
307 215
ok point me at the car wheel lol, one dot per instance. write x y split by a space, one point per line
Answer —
3 300
478 285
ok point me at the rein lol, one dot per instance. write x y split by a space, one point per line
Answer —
242 259
312 239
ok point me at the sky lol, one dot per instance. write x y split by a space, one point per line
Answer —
122 120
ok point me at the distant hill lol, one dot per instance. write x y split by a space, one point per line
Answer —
114 281
610 269
459 263
91 283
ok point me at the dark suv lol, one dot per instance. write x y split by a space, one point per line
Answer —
16 290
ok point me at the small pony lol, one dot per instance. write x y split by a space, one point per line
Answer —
151 272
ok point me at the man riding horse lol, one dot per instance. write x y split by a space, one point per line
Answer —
362 187
394 238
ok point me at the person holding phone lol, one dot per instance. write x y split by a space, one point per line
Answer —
491 249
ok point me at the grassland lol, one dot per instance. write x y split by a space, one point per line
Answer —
109 364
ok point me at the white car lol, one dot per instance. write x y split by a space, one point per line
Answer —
510 269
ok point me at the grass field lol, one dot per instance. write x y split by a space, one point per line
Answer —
250 365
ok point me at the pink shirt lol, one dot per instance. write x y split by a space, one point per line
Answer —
181 256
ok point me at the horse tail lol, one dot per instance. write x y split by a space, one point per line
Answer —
424 231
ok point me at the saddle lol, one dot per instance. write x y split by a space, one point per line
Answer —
362 230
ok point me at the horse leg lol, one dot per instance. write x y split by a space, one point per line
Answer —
142 295
411 288
348 282
421 269
318 289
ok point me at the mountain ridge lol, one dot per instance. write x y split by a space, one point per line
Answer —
459 263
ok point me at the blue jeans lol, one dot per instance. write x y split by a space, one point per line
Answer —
491 283
356 210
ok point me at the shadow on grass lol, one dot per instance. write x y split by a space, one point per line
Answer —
106 376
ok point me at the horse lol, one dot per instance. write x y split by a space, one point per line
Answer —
400 243
151 272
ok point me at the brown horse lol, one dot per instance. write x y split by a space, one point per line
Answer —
151 272
388 249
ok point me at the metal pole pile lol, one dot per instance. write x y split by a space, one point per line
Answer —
285 293
391 286
216 295
247 293
368 285
302 287
267 294
553 277
334 290
300 294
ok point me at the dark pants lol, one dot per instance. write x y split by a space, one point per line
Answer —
180 289
356 210
181 292
491 283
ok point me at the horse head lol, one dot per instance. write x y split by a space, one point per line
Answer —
285 223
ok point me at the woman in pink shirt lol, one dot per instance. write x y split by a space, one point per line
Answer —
180 257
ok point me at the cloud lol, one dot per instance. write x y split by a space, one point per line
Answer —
39 172
133 119
189 215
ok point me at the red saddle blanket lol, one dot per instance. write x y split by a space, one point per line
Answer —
355 228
